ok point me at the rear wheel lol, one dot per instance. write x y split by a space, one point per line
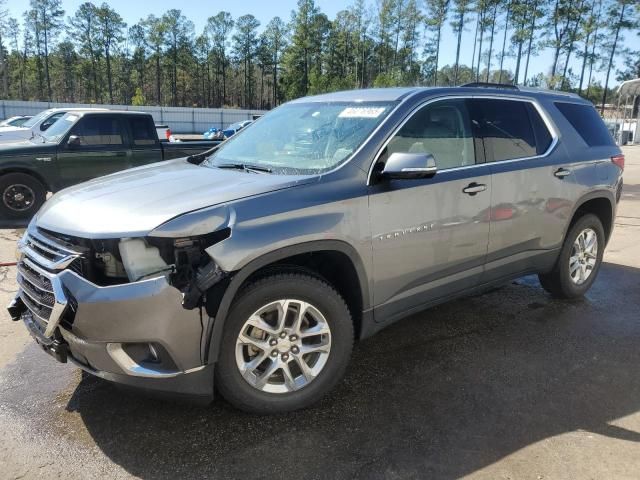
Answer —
579 260
21 196
287 342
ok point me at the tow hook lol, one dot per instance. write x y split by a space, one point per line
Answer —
16 308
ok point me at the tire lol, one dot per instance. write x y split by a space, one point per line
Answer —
559 281
326 305
21 195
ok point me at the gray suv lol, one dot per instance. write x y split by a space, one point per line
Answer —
256 265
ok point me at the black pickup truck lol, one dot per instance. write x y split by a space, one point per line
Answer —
82 145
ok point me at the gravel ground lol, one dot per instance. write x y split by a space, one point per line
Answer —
508 385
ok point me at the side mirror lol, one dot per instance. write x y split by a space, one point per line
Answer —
74 141
409 166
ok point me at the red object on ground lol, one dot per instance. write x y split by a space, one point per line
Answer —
8 264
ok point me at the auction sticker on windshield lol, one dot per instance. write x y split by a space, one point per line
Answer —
361 112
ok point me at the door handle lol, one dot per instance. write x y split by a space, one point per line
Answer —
474 188
562 172
121 154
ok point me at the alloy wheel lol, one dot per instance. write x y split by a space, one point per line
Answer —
283 346
584 256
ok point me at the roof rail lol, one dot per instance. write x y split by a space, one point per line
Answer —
490 85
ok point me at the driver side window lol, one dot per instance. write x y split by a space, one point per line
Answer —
442 129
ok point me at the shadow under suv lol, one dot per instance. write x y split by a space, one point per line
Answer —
259 263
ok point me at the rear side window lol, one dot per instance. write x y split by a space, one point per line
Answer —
144 133
586 121
506 128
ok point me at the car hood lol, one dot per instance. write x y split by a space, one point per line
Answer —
134 202
15 131
20 147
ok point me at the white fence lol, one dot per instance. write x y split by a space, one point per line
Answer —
179 119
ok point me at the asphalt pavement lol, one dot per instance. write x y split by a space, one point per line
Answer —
511 384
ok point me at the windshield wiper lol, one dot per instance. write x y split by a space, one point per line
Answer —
245 166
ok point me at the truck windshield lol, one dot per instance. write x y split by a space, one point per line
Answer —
60 128
302 138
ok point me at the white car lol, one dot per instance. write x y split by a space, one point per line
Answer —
16 121
35 125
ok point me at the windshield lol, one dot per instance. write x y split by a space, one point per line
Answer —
60 128
33 120
302 138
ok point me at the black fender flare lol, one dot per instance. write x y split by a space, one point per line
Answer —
213 335
5 170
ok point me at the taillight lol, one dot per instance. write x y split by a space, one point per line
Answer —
168 134
618 160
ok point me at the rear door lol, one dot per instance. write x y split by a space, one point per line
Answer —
430 235
145 147
103 148
532 185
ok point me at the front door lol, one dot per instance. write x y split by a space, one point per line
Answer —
430 236
102 148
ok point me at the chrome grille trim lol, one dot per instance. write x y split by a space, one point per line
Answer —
45 299
45 252
30 274
33 308
41 290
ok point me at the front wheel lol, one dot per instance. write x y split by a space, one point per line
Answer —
579 260
286 342
21 196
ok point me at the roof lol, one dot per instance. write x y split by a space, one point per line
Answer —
105 111
362 95
396 94
76 109
630 87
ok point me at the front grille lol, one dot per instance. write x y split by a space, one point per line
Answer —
40 289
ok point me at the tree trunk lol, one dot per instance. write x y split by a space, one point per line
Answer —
504 40
435 77
46 62
493 29
611 56
158 89
460 28
480 47
571 46
518 60
531 35
593 47
475 42
109 78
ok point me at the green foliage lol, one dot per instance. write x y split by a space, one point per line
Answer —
91 55
138 99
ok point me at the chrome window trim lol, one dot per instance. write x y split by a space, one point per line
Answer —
543 114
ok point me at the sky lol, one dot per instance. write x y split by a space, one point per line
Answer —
199 10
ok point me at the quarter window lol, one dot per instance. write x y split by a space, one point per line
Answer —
101 130
442 129
586 121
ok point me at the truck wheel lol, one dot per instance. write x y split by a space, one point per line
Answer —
21 196
286 342
579 260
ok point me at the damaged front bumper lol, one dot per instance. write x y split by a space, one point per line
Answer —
136 333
